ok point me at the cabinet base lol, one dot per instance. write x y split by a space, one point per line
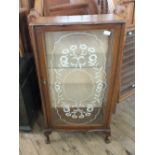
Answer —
106 132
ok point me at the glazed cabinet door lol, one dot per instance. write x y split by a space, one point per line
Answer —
78 66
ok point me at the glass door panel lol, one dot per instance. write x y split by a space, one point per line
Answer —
78 65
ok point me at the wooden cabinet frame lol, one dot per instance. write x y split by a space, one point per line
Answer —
41 25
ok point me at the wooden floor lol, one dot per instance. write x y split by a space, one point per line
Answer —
92 143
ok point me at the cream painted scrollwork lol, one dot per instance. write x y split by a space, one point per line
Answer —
79 58
76 56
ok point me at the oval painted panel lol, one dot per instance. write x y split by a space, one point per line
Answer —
77 74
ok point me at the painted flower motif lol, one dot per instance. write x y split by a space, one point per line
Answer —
92 59
74 116
81 116
90 108
58 87
88 114
66 108
83 46
65 51
77 58
68 114
91 50
78 61
64 61
99 87
73 47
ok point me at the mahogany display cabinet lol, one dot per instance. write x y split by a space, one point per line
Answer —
126 10
128 67
78 61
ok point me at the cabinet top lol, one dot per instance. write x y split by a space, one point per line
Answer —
84 19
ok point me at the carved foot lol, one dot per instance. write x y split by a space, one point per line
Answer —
107 134
47 140
47 133
107 139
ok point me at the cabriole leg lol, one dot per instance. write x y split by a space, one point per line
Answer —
107 139
47 132
107 136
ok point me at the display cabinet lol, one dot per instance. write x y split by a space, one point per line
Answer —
29 97
126 10
78 60
128 66
65 7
